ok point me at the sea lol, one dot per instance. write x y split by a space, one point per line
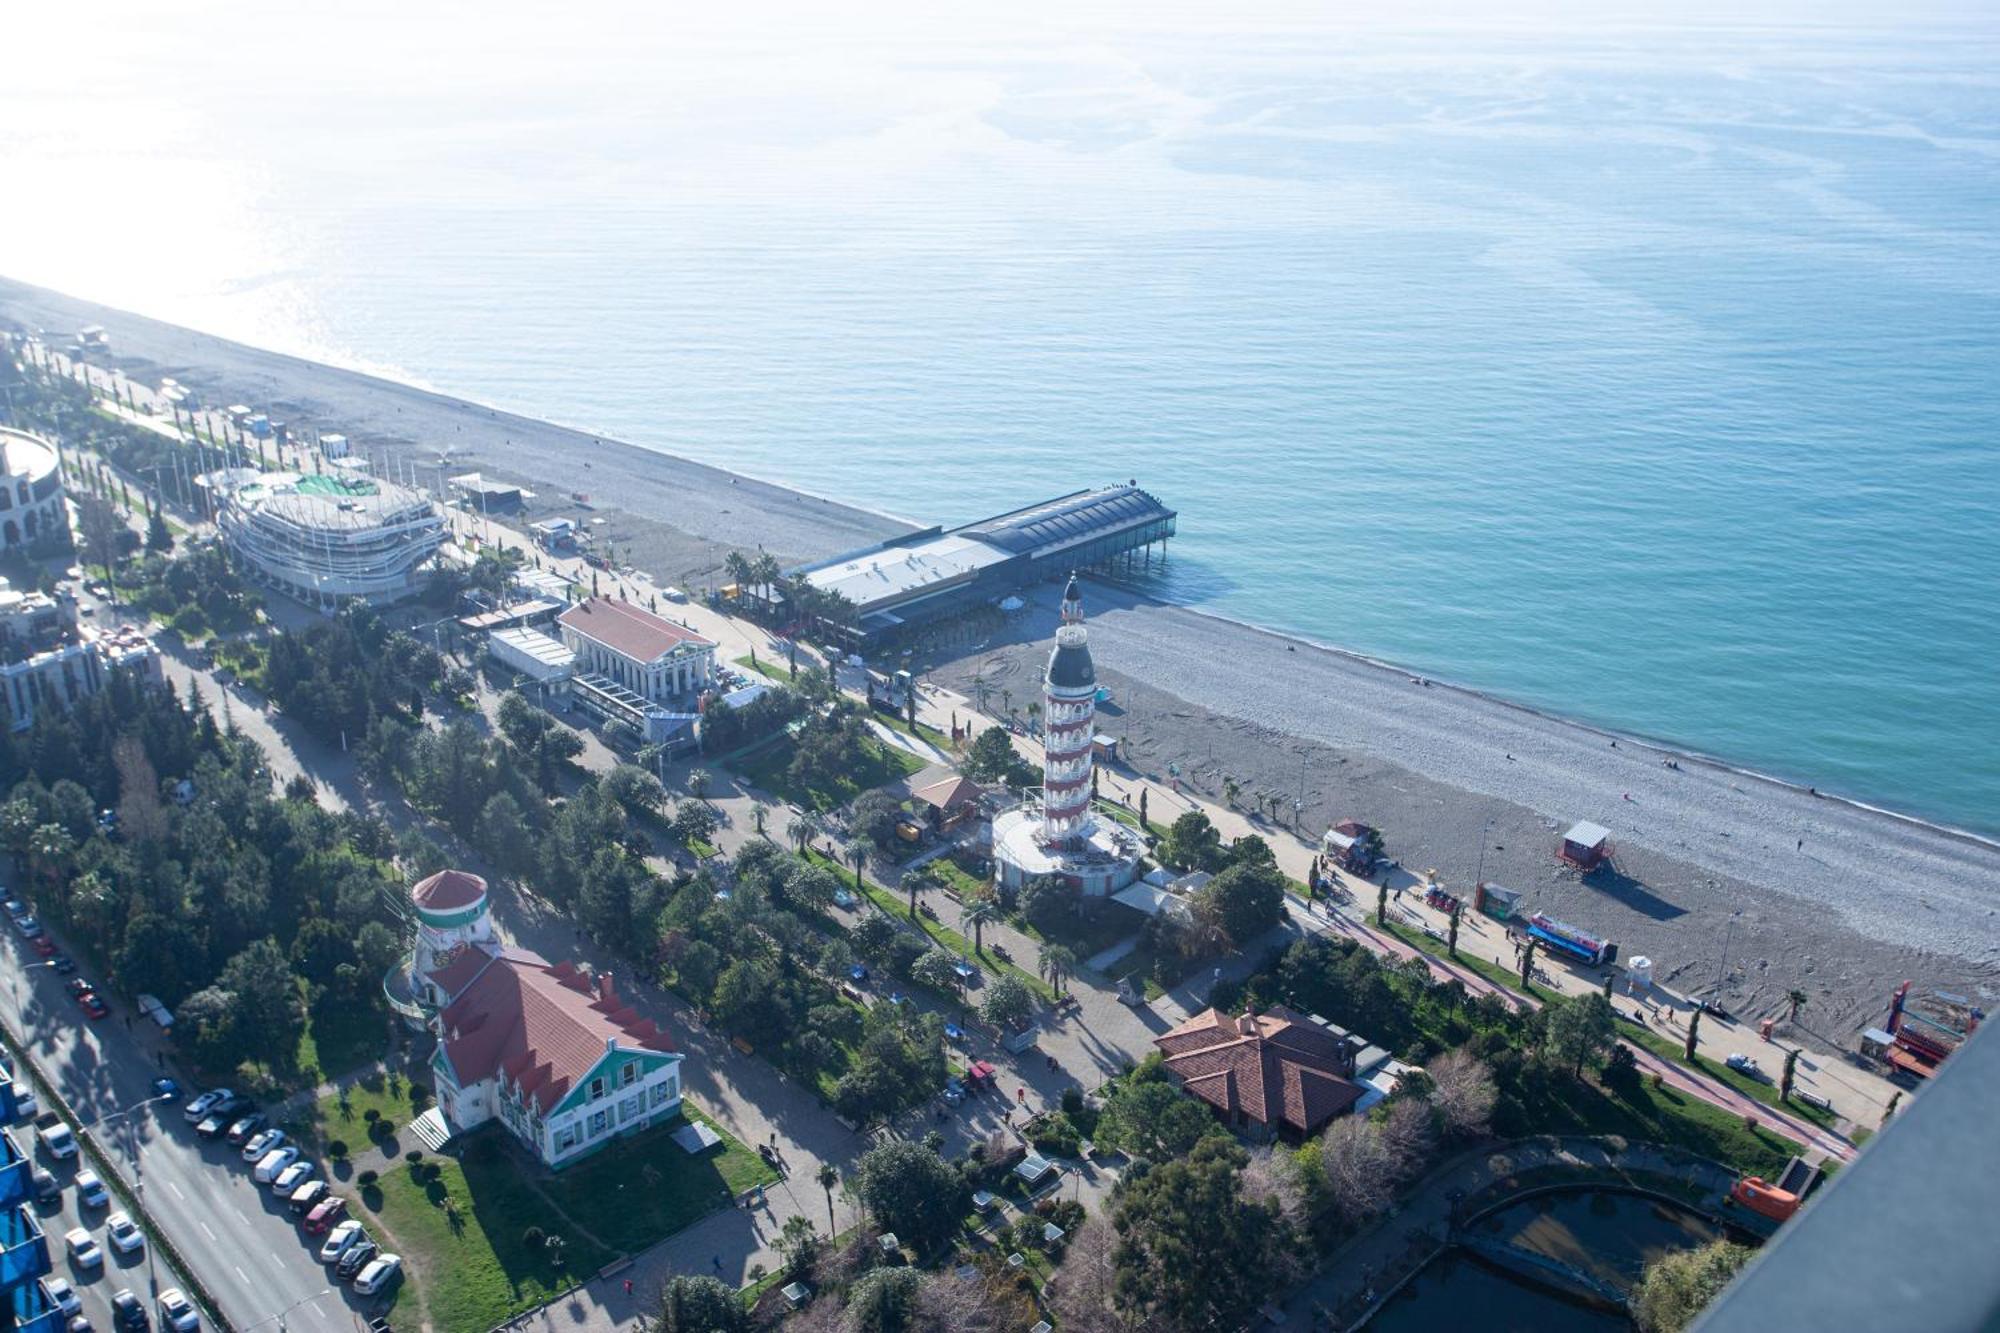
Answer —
1643 369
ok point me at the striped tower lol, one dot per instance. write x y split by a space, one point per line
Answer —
1069 720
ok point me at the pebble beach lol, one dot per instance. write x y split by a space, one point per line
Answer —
1800 888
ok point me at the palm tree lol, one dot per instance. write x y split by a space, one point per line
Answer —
799 830
1798 999
698 783
828 1178
765 569
1230 790
757 819
857 856
977 916
50 851
913 882
1058 965
738 567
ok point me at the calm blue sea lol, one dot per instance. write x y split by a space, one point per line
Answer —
1648 375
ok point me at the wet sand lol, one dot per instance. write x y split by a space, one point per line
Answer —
1840 900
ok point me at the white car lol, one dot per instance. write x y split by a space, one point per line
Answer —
83 1250
274 1163
293 1176
378 1274
124 1233
339 1239
259 1144
90 1191
197 1110
177 1311
62 1295
60 1142
1743 1064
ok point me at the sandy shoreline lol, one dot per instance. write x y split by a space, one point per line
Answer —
1841 899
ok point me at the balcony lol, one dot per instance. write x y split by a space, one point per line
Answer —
24 1253
33 1311
9 1107
14 1172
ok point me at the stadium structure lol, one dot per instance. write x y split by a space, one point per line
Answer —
31 492
326 540
926 575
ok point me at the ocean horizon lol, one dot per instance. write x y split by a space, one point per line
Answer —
1642 375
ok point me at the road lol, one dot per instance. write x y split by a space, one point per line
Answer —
243 1245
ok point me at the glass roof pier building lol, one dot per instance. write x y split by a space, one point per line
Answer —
911 580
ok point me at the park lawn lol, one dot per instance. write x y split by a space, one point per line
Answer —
956 878
343 1115
339 1037
897 906
876 765
473 1265
776 671
644 1189
1560 1104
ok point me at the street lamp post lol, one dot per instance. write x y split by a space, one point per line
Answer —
1479 874
138 1172
279 1317
1722 967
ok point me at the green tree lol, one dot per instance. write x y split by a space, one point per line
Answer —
1245 900
1451 931
1693 1035
1677 1287
206 1022
883 1300
800 831
1528 967
1382 907
635 790
982 913
991 757
699 1304
798 1245
1154 1121
503 834
1581 1030
694 822
1173 1221
1192 843
1058 965
828 1177
1785 1081
857 856
910 1190
269 1011
934 969
1008 1003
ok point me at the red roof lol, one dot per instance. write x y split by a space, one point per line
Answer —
627 629
543 1025
1274 1069
448 890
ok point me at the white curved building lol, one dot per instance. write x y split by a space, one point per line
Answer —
31 493
327 539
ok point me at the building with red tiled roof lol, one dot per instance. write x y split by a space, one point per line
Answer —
554 1054
1271 1074
653 657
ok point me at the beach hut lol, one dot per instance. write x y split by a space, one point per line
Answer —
1496 900
1586 846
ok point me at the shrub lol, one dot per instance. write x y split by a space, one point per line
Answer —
532 1238
1054 1134
337 1150
1072 1100
371 1115
367 1179
414 1156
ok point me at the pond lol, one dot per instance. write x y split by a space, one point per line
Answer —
1611 1235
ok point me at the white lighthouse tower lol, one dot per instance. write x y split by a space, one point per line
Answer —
1069 719
1054 831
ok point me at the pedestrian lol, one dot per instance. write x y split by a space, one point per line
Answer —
628 1286
1801 847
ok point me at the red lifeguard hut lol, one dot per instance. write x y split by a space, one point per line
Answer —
1586 846
1928 1028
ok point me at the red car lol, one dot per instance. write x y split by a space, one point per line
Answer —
45 946
324 1215
93 1005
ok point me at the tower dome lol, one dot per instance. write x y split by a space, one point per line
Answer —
449 898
